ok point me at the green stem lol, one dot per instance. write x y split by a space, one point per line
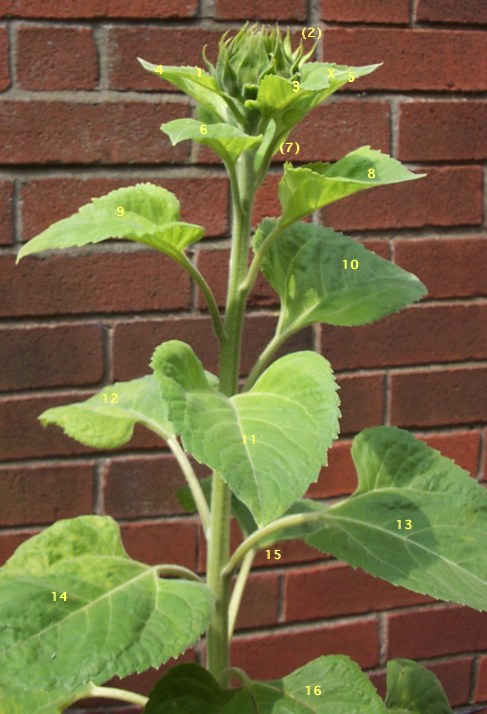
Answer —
178 570
113 693
251 543
185 263
238 590
193 483
264 358
251 276
235 672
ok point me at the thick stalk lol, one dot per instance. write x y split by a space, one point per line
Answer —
219 534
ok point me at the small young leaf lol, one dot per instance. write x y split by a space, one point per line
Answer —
413 689
97 632
188 689
226 140
305 267
144 213
310 187
292 410
416 519
107 419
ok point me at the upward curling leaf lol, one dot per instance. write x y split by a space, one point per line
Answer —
144 213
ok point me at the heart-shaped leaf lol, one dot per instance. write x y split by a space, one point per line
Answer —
227 141
79 609
188 689
416 519
323 276
107 419
144 213
268 444
310 187
413 689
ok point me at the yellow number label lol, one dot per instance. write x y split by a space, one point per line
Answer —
158 69
351 76
353 264
309 33
252 437
110 398
198 69
289 145
276 554
63 596
316 690
371 173
295 86
408 524
203 129
120 211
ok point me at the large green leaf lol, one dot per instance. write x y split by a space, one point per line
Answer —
305 266
36 701
327 685
292 411
227 141
305 189
107 419
144 213
416 519
413 689
119 616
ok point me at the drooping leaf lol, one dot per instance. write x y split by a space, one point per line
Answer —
227 141
310 267
118 616
307 188
187 689
414 689
291 413
107 419
144 213
416 519
198 84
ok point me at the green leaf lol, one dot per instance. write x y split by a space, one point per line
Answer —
305 266
119 616
107 419
199 85
413 689
36 701
292 411
310 187
438 545
187 689
144 213
227 141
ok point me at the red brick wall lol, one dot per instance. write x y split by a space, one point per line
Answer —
78 117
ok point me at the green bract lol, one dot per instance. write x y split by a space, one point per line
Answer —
75 609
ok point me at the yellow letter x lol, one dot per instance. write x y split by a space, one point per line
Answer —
331 72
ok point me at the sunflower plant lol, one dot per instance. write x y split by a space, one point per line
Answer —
75 609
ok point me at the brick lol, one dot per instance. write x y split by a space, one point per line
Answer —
337 589
339 477
136 487
473 12
97 282
461 446
455 676
10 541
417 335
159 45
108 133
435 632
393 12
203 200
259 602
22 436
434 397
50 356
256 654
150 9
161 542
6 212
411 58
255 10
459 129
361 399
447 196
481 689
32 495
4 61
51 57
450 266
134 342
